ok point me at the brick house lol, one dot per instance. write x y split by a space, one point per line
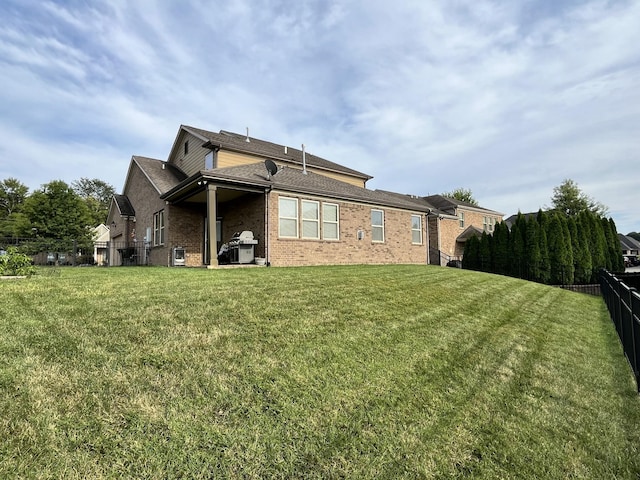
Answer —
306 211
454 224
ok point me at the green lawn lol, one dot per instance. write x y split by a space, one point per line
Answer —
320 372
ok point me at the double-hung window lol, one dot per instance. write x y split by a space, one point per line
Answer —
461 219
488 224
377 225
310 219
288 217
416 229
158 228
330 219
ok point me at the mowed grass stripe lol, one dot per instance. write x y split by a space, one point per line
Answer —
360 372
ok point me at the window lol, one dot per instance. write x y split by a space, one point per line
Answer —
330 218
208 161
310 219
312 216
461 219
416 229
186 147
488 224
158 228
377 225
288 217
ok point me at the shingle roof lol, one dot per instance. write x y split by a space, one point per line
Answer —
124 205
469 232
628 243
447 204
294 180
510 222
238 142
162 175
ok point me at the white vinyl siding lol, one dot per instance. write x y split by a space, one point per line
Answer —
310 219
416 229
377 225
288 217
330 221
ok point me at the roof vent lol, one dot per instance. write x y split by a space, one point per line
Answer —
304 161
285 150
163 166
247 139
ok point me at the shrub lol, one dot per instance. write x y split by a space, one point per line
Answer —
16 263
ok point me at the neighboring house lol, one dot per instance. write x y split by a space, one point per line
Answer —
101 239
455 223
306 211
511 221
630 246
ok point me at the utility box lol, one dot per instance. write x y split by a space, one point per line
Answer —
178 256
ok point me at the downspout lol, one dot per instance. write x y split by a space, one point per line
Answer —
426 218
267 225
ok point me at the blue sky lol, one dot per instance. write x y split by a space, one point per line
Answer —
507 99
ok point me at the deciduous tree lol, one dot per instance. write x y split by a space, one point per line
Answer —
56 212
97 195
462 194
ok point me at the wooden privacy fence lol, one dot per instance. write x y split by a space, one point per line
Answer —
623 303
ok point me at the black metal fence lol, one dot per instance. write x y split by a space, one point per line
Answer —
623 303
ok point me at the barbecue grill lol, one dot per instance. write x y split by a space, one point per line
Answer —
242 247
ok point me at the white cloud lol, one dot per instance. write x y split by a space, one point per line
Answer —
507 99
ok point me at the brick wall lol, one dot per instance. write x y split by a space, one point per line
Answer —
187 231
397 247
450 229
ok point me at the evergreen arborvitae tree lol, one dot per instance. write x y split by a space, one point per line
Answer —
533 257
597 245
485 253
517 247
501 254
569 268
471 258
614 249
582 255
545 265
559 258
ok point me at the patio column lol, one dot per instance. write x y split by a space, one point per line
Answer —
212 216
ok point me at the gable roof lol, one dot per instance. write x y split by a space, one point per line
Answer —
469 232
163 176
123 205
628 243
293 180
510 222
238 142
449 205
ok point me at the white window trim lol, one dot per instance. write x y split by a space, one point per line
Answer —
316 220
280 217
375 226
331 222
419 229
461 219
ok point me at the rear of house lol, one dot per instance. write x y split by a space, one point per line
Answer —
300 209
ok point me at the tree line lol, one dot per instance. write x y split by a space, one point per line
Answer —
56 211
548 247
